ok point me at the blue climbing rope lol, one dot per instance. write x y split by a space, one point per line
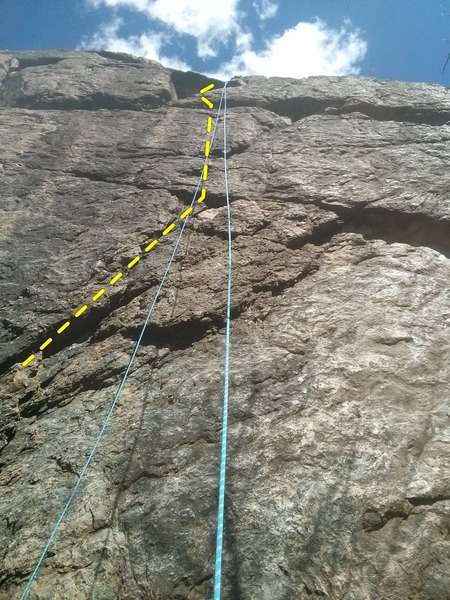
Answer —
121 385
223 454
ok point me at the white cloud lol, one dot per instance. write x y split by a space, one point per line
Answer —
303 50
306 49
141 5
212 23
265 9
147 45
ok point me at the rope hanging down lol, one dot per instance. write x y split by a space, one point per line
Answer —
223 455
121 385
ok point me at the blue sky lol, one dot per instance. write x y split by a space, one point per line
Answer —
388 39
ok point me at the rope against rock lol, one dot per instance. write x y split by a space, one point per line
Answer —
223 455
122 383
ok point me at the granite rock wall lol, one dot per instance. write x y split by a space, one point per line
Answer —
338 484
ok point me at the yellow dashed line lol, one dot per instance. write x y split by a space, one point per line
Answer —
45 344
154 242
98 294
63 327
151 245
186 212
133 262
29 359
166 231
81 311
207 102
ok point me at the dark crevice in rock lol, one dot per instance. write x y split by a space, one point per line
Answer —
320 235
299 108
96 101
185 197
46 382
81 329
12 360
103 178
183 194
87 325
9 433
394 226
209 230
238 149
427 500
314 592
393 113
26 397
31 404
178 336
37 61
374 520
284 571
189 83
91 176
377 223
64 465
372 223
217 200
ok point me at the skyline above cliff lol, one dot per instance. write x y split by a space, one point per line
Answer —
406 40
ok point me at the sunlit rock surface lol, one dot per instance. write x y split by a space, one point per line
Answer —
338 479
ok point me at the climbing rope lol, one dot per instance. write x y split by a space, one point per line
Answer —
122 383
223 454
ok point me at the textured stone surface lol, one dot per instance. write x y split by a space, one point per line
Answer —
338 483
83 80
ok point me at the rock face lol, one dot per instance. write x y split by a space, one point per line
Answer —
337 483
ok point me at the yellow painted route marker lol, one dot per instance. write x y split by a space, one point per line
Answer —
186 212
152 244
207 102
168 229
26 362
45 344
81 311
98 294
63 327
133 262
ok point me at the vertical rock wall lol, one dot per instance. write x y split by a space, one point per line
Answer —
338 483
